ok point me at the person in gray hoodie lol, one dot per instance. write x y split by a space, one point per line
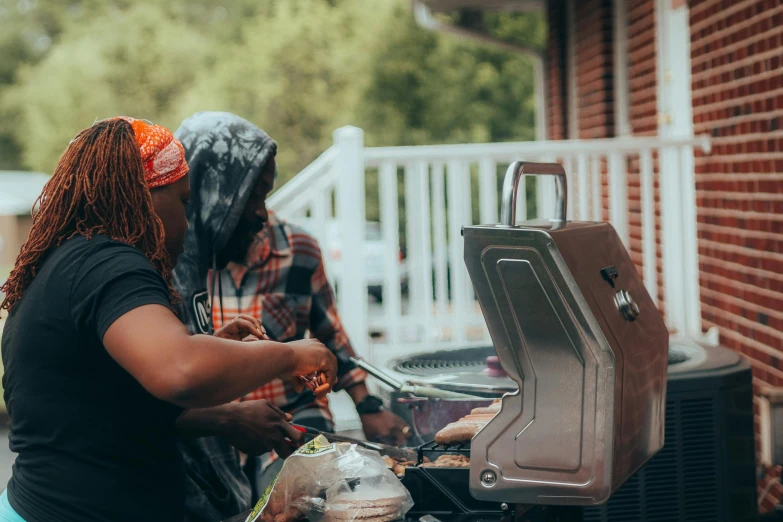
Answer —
231 173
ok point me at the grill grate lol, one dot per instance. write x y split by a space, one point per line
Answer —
466 360
429 367
473 360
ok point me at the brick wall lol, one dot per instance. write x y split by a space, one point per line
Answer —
594 78
737 84
593 56
737 74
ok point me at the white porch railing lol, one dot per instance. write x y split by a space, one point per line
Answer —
426 194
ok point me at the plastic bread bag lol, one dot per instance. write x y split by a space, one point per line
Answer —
295 480
355 487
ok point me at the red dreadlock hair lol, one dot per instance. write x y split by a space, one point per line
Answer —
98 187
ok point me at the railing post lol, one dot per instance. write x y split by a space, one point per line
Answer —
672 240
391 239
351 218
690 243
649 253
618 196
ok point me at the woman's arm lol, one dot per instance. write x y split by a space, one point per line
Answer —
195 371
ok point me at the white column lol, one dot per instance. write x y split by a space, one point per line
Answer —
675 111
351 216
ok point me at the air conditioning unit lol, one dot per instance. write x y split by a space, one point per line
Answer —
706 469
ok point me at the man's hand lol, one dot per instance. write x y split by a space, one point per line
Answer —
243 328
386 428
256 427
382 426
312 356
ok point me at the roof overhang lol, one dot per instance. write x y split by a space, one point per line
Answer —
19 190
520 6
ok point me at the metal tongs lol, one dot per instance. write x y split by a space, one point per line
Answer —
412 389
313 380
384 449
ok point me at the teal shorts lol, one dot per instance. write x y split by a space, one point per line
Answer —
7 513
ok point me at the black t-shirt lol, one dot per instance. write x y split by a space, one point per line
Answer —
92 444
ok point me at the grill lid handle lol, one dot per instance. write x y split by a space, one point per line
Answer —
508 205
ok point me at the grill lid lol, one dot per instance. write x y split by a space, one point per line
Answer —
575 328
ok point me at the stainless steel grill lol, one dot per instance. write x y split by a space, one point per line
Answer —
576 330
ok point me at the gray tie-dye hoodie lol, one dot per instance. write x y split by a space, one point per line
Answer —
225 154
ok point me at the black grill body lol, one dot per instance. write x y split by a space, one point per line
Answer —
444 491
445 494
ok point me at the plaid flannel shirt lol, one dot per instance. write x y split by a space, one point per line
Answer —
283 282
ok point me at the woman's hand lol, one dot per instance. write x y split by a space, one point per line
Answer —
312 356
243 328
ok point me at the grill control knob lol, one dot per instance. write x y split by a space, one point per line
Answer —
627 306
488 478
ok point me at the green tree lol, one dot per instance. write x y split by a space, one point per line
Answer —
430 88
298 69
27 31
123 62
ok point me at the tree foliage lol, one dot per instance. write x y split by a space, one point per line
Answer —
297 68
429 88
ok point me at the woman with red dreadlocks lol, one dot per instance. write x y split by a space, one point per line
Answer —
97 366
